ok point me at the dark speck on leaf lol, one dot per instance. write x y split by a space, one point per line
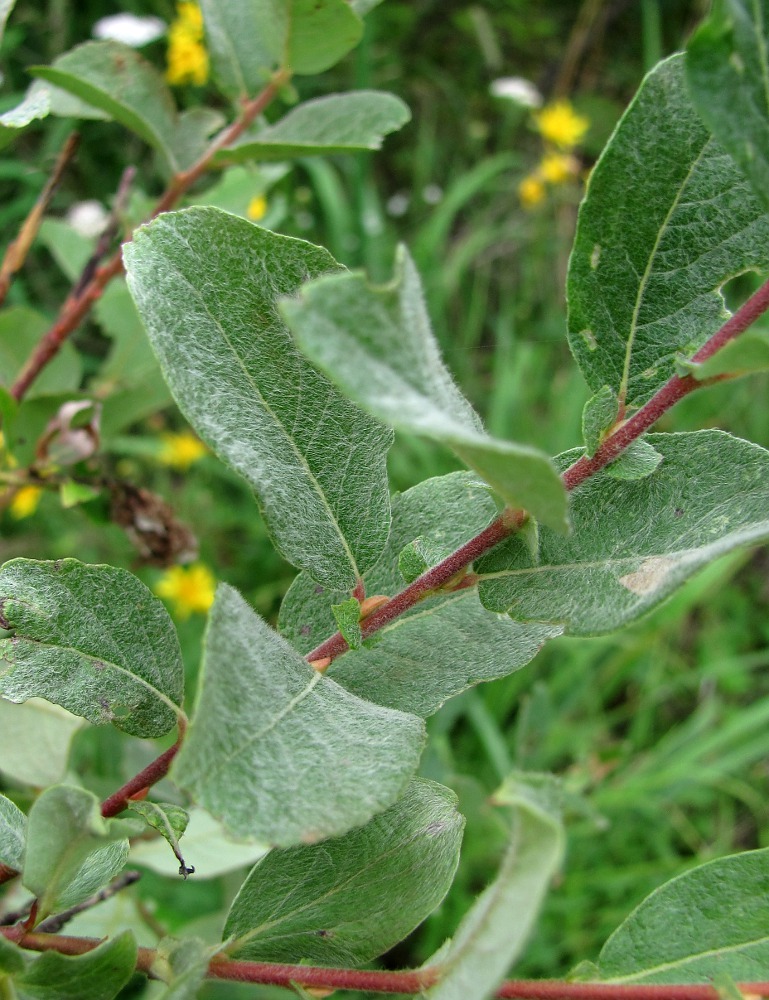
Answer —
57 565
305 630
679 512
324 934
320 590
435 828
98 665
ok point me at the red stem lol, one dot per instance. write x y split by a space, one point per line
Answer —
79 303
150 776
375 981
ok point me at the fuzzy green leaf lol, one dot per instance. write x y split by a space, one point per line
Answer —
355 896
268 731
21 329
182 966
445 644
377 345
71 851
316 461
92 639
99 974
745 354
598 416
637 461
635 542
13 834
248 39
710 920
495 930
347 617
117 80
638 291
339 123
727 68
169 820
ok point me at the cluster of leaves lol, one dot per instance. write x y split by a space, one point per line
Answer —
296 373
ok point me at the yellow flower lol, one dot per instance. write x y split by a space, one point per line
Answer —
257 208
560 124
190 589
25 501
557 168
180 451
531 191
187 57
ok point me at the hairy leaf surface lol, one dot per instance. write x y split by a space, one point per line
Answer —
711 920
377 345
13 834
355 896
445 644
667 219
727 69
634 542
92 639
269 731
495 930
339 123
206 284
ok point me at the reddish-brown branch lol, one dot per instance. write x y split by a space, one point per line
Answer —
150 776
375 981
79 303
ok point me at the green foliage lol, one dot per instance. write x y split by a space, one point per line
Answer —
13 834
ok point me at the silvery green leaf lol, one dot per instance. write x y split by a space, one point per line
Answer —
353 897
268 732
727 66
637 461
99 974
710 920
337 123
377 345
598 416
635 542
13 834
316 462
443 645
494 932
639 292
92 639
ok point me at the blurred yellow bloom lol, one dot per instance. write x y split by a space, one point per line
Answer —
257 208
25 501
557 168
187 57
531 191
560 124
180 451
190 589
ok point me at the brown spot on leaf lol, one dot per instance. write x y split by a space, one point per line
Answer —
649 576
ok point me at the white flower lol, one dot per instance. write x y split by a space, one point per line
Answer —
89 218
432 194
129 29
516 88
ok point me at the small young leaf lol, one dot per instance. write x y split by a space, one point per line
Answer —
169 820
598 416
339 123
92 639
416 558
99 974
116 79
377 345
347 616
637 461
356 896
268 731
13 834
445 644
316 461
727 67
712 919
638 292
635 542
71 851
493 933
745 354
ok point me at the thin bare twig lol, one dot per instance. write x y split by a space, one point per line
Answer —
54 923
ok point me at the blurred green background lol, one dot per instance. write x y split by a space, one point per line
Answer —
660 732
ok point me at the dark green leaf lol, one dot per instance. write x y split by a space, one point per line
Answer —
635 542
354 897
710 920
727 67
638 291
339 123
316 461
99 974
443 645
268 731
377 345
92 639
